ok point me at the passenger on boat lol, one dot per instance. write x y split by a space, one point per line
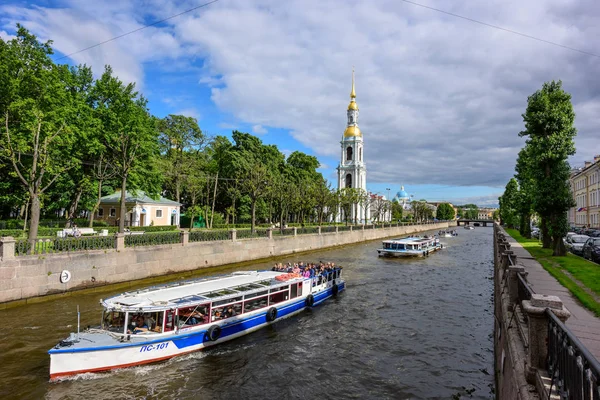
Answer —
217 316
140 325
230 312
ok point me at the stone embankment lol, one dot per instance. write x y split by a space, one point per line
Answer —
535 351
29 276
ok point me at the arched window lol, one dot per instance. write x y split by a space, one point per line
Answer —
360 154
349 180
349 153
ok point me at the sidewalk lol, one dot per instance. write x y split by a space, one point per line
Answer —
583 323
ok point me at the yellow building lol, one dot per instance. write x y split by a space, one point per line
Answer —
142 210
585 184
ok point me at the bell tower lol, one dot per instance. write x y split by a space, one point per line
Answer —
352 171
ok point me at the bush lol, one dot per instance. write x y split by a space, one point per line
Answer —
16 233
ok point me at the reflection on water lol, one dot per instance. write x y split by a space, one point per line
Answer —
403 329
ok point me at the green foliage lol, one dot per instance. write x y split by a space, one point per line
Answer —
445 212
397 211
549 128
509 203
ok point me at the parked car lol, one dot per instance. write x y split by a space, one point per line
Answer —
591 249
567 236
535 233
593 232
575 243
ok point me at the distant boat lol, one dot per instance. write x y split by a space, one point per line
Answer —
447 233
411 246
469 227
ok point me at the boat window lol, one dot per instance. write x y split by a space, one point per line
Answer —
278 297
227 301
277 289
169 320
255 304
193 315
225 312
320 280
330 276
264 283
252 295
294 291
152 322
113 321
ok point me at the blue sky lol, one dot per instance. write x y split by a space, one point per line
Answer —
440 98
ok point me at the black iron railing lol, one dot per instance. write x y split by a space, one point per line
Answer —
525 291
247 233
306 230
574 371
208 236
327 229
153 239
343 228
60 245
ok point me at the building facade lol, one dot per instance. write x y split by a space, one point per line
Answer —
352 170
585 184
142 210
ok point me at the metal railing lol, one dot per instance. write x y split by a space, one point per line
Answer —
525 291
153 239
60 245
344 228
327 229
209 236
307 230
247 233
573 369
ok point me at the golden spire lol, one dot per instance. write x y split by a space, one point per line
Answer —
352 93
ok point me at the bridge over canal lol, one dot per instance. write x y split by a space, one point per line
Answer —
481 222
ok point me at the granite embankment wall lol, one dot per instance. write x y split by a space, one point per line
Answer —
30 276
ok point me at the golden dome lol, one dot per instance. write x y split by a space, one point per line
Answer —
352 130
352 106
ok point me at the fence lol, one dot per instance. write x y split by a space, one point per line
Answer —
573 370
59 245
118 241
153 239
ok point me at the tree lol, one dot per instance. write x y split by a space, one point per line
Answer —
130 135
509 204
526 191
445 212
39 115
180 138
549 128
397 211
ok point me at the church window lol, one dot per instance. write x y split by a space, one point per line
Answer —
360 154
349 154
349 180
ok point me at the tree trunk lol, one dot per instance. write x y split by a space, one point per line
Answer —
97 205
252 226
559 248
35 216
123 212
546 239
214 199
75 203
527 226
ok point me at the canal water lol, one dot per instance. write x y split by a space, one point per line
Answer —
403 329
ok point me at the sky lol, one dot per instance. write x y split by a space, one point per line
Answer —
441 98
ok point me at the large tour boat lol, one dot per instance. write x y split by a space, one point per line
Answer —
162 322
412 246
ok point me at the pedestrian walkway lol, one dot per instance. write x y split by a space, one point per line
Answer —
583 323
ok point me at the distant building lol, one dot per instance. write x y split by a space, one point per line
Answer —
485 213
403 198
585 184
142 210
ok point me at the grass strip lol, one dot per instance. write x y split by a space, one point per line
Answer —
586 272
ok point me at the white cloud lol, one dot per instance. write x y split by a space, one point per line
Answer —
189 112
259 130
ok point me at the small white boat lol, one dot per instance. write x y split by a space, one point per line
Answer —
447 233
469 227
412 246
162 322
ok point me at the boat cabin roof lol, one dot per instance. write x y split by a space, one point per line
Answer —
177 294
414 240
